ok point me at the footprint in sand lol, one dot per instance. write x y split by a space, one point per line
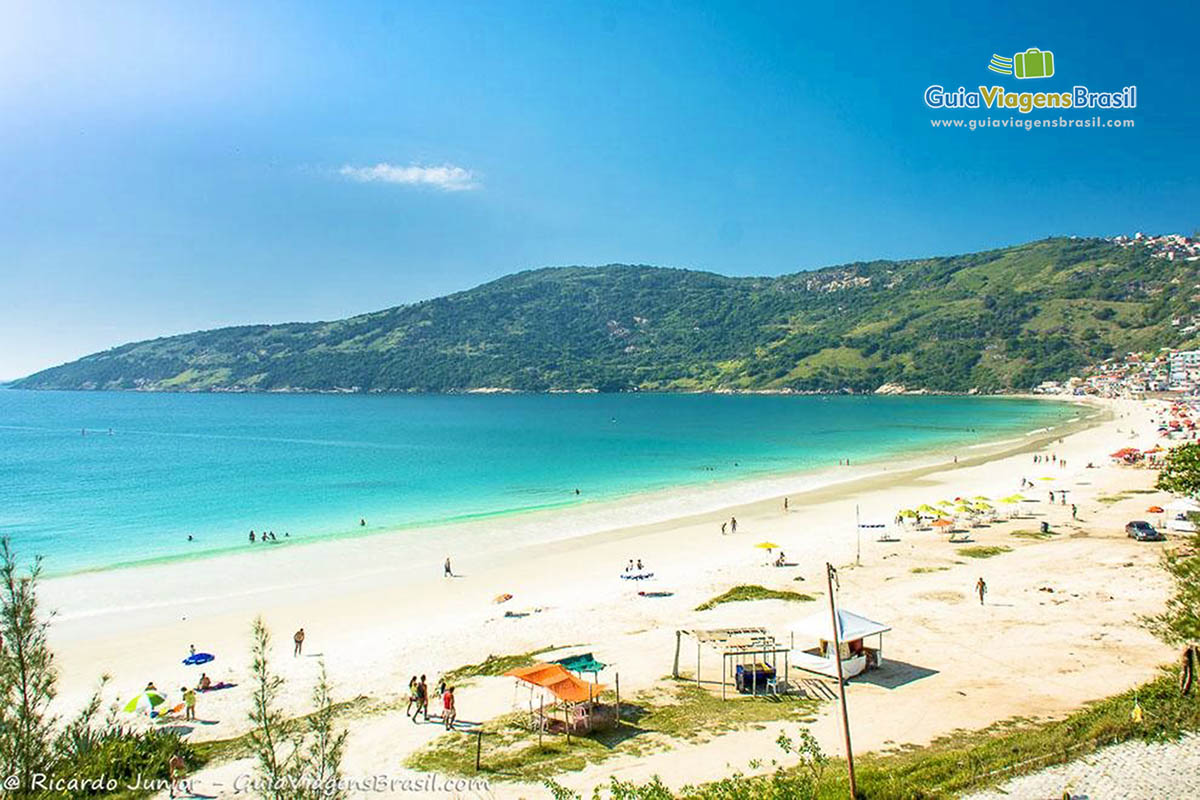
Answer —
944 597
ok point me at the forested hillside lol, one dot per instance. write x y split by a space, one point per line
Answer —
999 320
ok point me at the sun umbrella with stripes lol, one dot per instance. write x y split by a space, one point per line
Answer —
144 703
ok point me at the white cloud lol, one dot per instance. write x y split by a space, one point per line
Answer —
446 177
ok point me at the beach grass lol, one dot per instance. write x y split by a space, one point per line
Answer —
746 592
983 551
924 570
497 665
650 722
966 761
1033 534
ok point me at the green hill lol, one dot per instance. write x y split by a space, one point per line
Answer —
999 320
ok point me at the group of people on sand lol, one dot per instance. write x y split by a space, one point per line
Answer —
266 536
418 701
189 699
730 526
1053 459
634 565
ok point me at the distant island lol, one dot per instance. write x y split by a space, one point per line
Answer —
996 321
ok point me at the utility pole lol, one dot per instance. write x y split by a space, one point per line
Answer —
857 538
830 577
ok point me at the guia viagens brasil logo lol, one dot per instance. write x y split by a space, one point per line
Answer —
1029 64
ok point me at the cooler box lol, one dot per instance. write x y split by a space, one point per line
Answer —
753 678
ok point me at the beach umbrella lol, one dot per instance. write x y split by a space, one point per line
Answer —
945 503
928 509
942 523
1046 478
767 545
144 703
983 506
982 497
1013 498
1155 510
907 512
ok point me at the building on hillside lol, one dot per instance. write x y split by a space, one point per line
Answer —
1185 370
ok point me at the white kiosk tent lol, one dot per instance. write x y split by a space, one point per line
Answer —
855 655
1177 514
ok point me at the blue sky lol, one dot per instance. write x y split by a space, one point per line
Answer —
171 167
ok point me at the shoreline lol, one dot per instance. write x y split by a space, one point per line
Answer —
655 504
376 615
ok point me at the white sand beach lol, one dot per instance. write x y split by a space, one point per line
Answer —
1060 626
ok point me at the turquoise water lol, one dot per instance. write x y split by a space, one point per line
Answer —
215 466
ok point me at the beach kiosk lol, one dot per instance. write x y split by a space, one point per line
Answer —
1178 514
552 686
749 656
861 644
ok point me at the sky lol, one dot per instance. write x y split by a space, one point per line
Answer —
169 167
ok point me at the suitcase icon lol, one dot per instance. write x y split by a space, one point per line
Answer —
1033 63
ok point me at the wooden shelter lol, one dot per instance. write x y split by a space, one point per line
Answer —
749 655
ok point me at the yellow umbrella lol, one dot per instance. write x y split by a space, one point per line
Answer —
1046 478
984 506
963 508
907 512
1013 498
982 497
767 545
928 509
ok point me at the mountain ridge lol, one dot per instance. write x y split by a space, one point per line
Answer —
994 321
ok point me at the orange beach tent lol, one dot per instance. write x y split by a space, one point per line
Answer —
558 681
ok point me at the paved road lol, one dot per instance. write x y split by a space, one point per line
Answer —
1127 771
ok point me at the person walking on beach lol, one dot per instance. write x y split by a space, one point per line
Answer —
448 712
298 639
724 525
175 771
733 524
189 702
422 701
785 504
446 571
981 589
412 696
1074 511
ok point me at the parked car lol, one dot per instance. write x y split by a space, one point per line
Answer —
1143 531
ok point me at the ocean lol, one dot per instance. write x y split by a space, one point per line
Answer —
93 480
